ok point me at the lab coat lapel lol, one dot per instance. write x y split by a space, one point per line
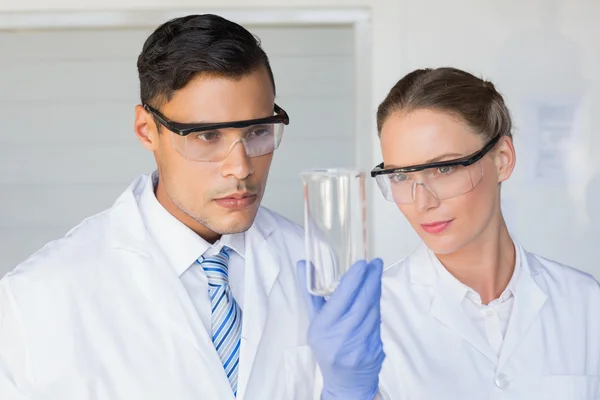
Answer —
262 269
162 287
448 311
446 304
529 300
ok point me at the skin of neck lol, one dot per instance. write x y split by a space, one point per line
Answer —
487 263
164 199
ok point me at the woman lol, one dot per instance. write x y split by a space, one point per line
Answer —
471 314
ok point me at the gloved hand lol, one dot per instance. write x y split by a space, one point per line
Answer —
345 334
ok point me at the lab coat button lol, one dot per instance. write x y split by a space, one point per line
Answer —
502 381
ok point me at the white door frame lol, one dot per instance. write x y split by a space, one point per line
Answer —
358 18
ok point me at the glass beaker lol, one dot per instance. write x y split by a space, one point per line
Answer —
335 224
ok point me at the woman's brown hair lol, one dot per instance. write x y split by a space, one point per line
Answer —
452 91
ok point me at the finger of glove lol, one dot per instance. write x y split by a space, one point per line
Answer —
343 297
358 325
367 297
364 338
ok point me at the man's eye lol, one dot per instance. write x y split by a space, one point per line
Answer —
398 177
208 136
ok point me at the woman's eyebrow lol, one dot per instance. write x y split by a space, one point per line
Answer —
436 159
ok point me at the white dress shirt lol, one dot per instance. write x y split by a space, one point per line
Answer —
182 247
490 320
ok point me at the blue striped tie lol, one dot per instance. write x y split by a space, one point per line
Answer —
226 314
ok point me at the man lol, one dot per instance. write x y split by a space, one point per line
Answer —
185 288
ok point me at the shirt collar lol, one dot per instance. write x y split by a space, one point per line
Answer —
235 242
179 244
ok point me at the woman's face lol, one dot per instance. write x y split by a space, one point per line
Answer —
423 136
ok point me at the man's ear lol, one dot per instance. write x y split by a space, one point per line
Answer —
145 128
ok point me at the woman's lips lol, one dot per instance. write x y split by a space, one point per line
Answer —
436 227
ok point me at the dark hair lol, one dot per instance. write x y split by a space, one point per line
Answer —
183 47
453 91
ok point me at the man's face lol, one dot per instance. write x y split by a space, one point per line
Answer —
211 197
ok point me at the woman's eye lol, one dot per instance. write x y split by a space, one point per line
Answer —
445 170
260 132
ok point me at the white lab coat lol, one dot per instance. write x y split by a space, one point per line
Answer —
551 350
100 315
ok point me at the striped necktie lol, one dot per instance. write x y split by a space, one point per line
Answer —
226 314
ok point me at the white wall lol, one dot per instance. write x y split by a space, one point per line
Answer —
533 55
68 99
77 5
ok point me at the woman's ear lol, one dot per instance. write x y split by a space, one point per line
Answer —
505 158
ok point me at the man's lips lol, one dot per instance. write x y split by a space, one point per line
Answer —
239 200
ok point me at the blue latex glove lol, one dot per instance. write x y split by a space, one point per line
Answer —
345 334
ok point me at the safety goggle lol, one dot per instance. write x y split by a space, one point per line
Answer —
214 141
444 179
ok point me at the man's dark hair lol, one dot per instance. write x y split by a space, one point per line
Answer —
183 47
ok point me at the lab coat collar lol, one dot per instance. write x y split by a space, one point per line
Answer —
425 266
128 235
422 271
262 265
180 245
529 300
128 232
460 290
446 303
262 259
446 307
128 229
263 268
126 225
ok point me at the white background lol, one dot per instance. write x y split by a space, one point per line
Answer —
68 148
544 56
